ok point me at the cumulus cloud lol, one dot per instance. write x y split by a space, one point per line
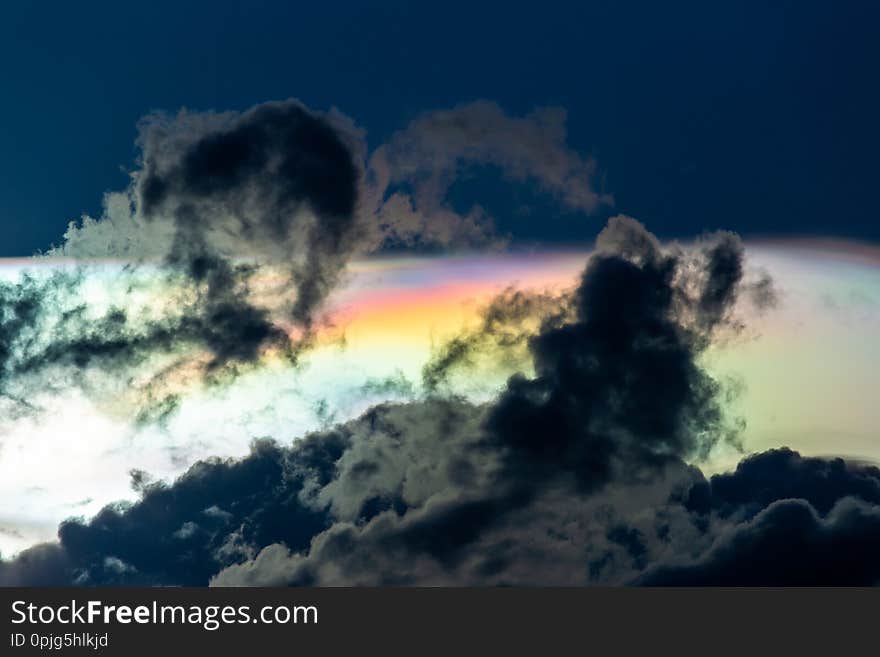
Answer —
257 180
584 472
278 183
783 520
583 469
278 180
246 222
410 175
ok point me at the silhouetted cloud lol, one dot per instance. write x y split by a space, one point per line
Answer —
247 221
583 469
780 520
278 180
219 199
41 565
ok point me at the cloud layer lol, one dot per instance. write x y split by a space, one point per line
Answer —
579 474
247 222
583 470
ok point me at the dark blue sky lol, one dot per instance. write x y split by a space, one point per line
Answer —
758 117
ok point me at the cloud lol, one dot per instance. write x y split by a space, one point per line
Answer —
225 212
277 184
787 544
583 469
254 182
500 340
581 473
246 222
277 180
41 565
782 474
409 177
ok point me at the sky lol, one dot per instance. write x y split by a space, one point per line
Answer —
752 116
396 294
806 377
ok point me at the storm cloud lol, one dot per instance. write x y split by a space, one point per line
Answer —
584 472
219 201
246 222
277 181
583 469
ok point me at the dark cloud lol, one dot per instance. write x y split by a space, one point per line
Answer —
278 183
251 219
288 153
781 474
269 193
577 474
254 182
41 565
620 387
780 519
184 533
278 180
788 543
